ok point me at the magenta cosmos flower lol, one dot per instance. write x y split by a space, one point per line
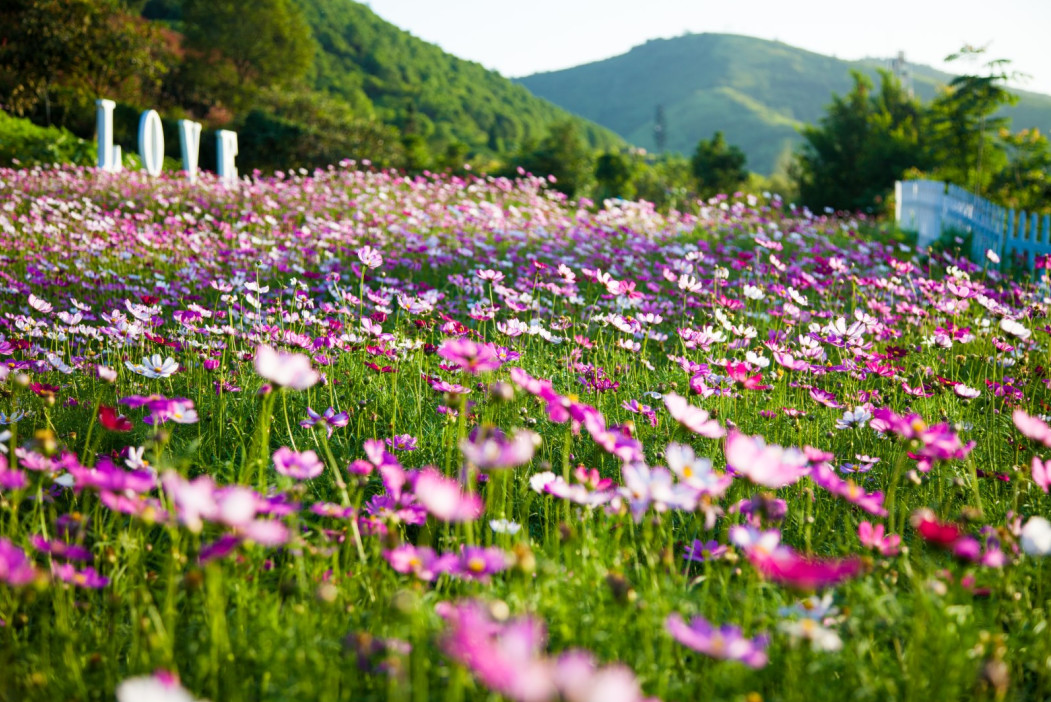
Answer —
301 466
725 643
15 566
471 356
421 561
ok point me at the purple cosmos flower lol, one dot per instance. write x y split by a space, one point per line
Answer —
60 549
421 561
478 563
301 466
15 567
725 643
402 442
330 420
490 448
87 578
700 551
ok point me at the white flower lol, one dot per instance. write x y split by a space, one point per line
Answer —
504 526
1015 329
821 638
1036 537
154 367
859 417
991 255
153 688
541 480
965 391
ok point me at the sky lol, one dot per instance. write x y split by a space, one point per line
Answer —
521 38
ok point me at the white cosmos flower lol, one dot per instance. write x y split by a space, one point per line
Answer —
1036 537
154 366
1015 329
504 526
153 688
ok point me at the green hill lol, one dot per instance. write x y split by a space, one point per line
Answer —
376 66
757 92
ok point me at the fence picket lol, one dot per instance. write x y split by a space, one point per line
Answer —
930 207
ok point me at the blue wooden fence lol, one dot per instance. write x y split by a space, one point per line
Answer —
930 207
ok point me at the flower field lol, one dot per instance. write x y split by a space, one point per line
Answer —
353 436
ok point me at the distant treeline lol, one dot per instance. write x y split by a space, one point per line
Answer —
307 83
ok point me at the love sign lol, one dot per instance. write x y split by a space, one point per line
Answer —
151 144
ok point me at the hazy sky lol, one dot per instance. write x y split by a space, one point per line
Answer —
520 38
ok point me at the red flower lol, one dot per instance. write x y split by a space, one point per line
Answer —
109 418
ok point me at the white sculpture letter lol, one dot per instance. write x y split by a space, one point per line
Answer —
151 142
227 151
190 145
108 154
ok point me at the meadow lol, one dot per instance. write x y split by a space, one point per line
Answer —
350 435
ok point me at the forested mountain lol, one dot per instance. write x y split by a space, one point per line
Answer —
304 82
405 81
757 92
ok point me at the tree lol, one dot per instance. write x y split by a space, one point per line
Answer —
865 141
1025 182
718 167
613 176
563 154
235 50
962 124
86 48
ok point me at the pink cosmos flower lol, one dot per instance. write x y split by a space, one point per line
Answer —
826 478
301 466
770 466
87 578
700 551
693 418
725 643
696 471
823 397
421 561
444 498
478 563
489 449
874 538
646 487
1041 473
1032 427
291 370
370 257
505 657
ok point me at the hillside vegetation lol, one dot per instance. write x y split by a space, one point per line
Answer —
759 93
